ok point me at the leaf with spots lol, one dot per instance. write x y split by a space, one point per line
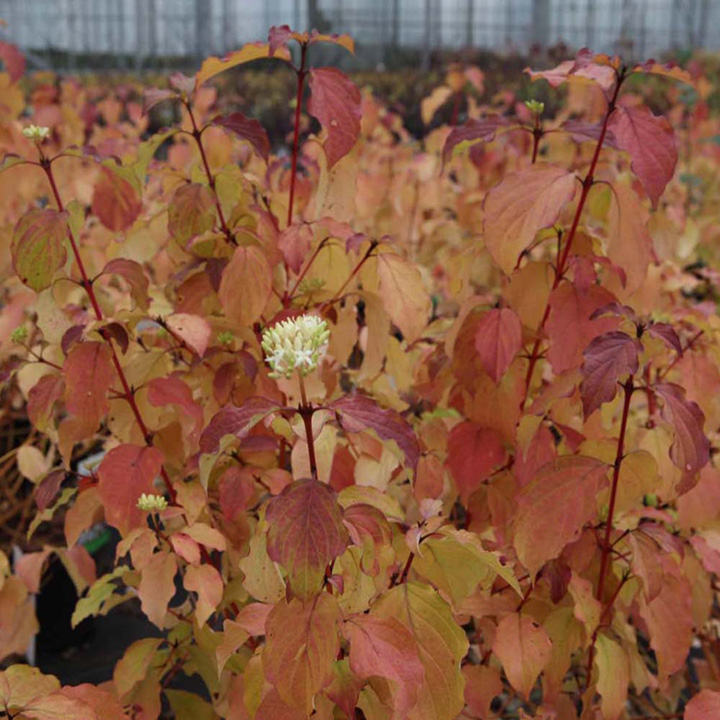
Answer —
38 247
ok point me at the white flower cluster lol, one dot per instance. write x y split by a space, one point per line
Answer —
296 344
36 133
151 503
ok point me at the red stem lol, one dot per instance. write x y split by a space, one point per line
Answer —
562 259
301 73
456 109
197 134
129 394
606 547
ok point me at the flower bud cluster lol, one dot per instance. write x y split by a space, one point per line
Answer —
151 503
36 133
296 344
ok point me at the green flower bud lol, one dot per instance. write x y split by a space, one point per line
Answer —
225 337
36 133
19 334
535 106
151 503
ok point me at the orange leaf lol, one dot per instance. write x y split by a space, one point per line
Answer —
246 285
115 201
523 203
300 647
523 648
157 586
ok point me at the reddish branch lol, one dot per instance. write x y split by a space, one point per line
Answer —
128 392
606 547
301 72
562 259
197 135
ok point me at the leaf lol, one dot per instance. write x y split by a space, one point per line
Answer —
335 102
666 333
213 66
13 60
42 398
194 330
300 647
38 247
115 201
383 647
703 706
245 285
498 339
238 421
572 325
133 273
406 300
521 205
472 132
670 625
206 581
125 473
455 562
246 129
233 638
133 667
668 70
191 211
431 103
157 586
294 243
441 644
554 508
305 533
58 706
20 684
650 142
103 702
690 450
173 391
473 453
154 96
607 359
359 412
629 242
523 648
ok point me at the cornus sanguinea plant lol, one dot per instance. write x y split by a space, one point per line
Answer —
391 429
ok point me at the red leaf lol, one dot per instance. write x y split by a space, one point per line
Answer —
278 36
14 60
173 391
48 488
38 247
154 96
472 132
305 533
42 398
115 201
294 243
554 507
335 102
523 203
236 421
358 412
473 453
385 648
571 325
247 129
703 706
607 359
498 339
133 273
650 142
125 473
666 333
88 373
193 330
581 131
690 449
